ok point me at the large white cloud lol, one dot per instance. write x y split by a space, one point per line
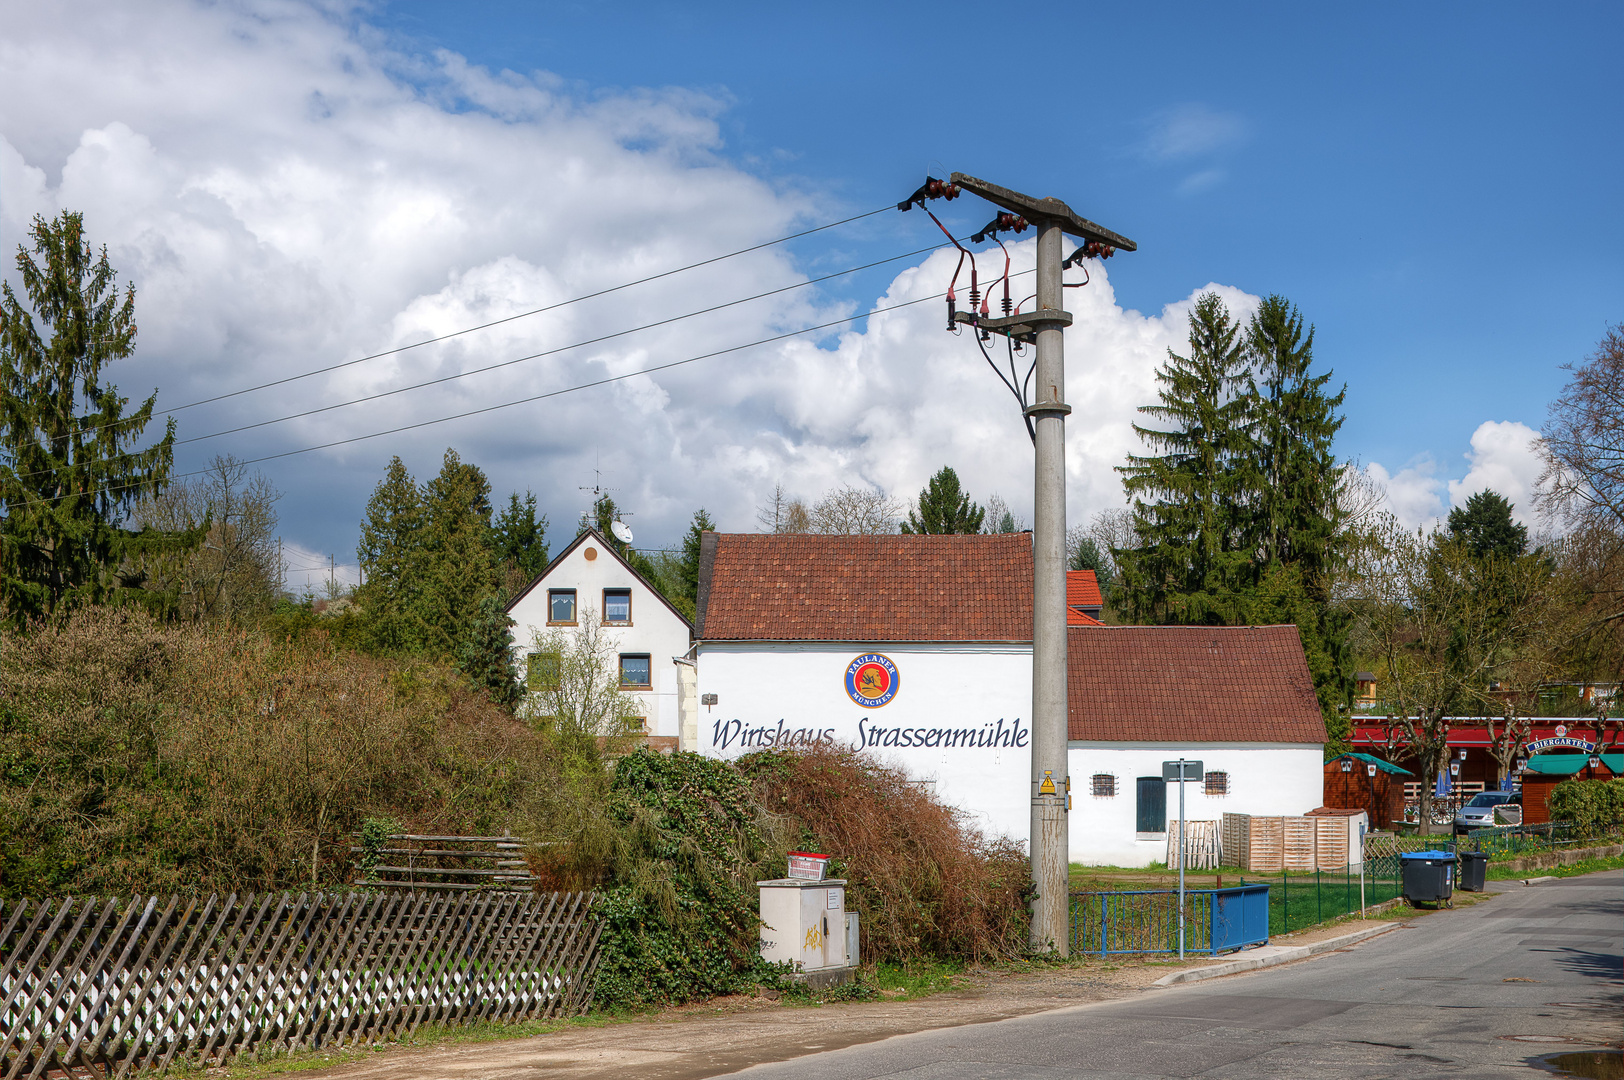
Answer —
285 192
1504 457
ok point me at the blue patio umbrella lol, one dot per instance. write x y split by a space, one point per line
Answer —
1442 787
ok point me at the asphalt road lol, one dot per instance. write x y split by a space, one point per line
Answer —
1475 992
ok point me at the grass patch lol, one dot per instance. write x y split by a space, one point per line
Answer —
918 979
1583 866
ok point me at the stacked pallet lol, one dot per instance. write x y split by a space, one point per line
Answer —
1269 844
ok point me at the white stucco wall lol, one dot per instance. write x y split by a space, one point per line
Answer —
961 717
1264 778
655 629
785 693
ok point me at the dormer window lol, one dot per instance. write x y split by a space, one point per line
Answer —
617 606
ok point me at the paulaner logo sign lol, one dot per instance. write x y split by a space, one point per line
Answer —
872 680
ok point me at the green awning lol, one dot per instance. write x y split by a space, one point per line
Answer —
1615 762
1384 766
1559 764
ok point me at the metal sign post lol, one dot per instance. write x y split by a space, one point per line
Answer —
1181 771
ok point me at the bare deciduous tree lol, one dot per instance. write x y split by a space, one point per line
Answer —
1583 440
574 682
1444 626
234 576
850 511
783 514
999 518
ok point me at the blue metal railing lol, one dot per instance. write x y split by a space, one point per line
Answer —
1147 920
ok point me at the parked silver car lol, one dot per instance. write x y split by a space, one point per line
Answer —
1479 813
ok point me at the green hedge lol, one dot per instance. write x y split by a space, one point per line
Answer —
1594 806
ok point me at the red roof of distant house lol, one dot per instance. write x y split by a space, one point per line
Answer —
1190 684
1083 599
807 587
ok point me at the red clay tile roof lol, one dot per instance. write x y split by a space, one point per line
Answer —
802 587
1083 600
1082 589
1190 684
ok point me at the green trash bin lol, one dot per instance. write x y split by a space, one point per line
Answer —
1474 867
1429 876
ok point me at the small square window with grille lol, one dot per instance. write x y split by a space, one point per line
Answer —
1217 783
1102 785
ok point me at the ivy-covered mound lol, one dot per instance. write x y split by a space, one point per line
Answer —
675 845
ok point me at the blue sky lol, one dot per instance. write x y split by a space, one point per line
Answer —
1438 186
288 185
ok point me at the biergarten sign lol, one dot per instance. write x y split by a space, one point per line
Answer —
1562 742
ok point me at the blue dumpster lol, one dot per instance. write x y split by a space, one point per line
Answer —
1429 876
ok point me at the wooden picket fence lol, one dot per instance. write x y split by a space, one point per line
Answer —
98 987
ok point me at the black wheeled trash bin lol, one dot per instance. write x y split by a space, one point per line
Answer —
1429 876
1474 867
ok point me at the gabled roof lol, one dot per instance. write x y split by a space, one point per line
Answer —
1190 684
590 533
1083 599
897 587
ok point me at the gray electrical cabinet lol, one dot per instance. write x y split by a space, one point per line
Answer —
804 923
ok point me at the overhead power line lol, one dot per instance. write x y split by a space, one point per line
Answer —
607 380
560 349
517 360
526 314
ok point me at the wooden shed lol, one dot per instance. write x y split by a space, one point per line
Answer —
1545 771
1349 785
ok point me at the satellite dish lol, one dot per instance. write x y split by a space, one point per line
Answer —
622 532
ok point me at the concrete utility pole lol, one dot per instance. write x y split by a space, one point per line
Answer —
1051 782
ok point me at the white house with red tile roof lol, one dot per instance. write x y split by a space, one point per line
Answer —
1237 698
650 638
918 649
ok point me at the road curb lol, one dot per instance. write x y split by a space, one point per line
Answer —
1276 956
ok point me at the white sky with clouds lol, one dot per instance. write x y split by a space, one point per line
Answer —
285 195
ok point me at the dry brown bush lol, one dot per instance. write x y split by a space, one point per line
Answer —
925 883
139 756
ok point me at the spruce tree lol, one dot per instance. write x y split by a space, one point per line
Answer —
486 654
391 556
1298 479
1189 503
459 564
1296 484
688 587
1486 527
1088 556
519 537
944 508
68 474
